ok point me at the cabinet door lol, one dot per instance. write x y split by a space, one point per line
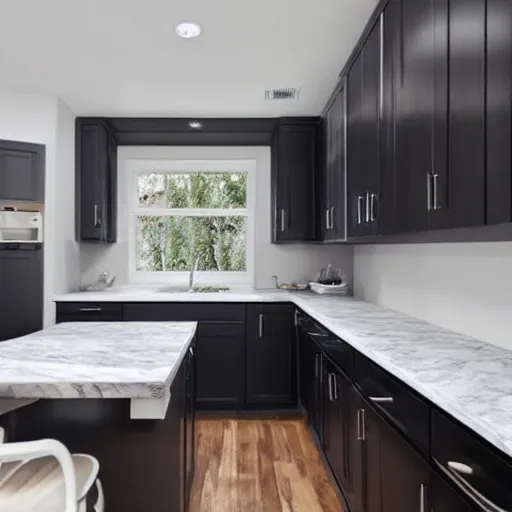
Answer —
459 195
322 179
414 100
220 366
96 182
21 300
390 70
371 98
294 175
271 355
336 428
356 192
190 423
499 111
404 473
337 169
21 171
444 498
355 492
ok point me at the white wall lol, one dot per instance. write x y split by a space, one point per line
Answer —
463 287
289 263
46 120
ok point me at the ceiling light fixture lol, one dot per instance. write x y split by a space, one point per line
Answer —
188 29
195 125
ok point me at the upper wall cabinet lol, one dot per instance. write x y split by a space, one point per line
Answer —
331 172
294 155
364 106
499 111
432 118
96 182
21 171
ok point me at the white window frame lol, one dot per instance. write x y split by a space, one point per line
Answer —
135 167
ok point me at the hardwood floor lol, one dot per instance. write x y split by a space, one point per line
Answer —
259 466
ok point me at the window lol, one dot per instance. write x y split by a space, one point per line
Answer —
187 210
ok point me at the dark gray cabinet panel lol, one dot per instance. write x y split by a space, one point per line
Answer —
459 195
294 160
499 111
21 171
271 355
363 146
220 366
21 300
96 182
331 179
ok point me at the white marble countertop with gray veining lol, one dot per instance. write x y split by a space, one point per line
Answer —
136 360
469 379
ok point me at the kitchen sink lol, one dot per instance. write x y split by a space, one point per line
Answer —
195 289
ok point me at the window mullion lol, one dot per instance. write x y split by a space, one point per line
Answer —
191 212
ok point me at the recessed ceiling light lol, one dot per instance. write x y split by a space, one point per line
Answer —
188 29
195 125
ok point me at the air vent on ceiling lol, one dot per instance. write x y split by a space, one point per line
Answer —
289 93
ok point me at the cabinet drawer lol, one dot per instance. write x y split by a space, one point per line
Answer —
184 312
481 474
89 312
408 412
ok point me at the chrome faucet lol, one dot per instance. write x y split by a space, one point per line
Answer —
193 272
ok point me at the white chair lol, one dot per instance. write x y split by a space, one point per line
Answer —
43 476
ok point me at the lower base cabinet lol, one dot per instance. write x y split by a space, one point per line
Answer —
377 466
271 378
443 498
220 357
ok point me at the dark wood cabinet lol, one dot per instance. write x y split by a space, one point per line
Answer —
89 312
444 498
271 355
96 182
363 137
190 422
337 432
499 112
294 160
21 300
21 171
404 474
220 366
331 175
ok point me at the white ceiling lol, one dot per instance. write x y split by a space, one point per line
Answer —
122 57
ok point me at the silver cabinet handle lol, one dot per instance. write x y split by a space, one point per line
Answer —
360 200
317 357
261 326
97 220
368 206
335 386
381 399
327 224
361 435
283 220
373 198
332 216
429 192
435 206
476 497
423 496
90 310
329 385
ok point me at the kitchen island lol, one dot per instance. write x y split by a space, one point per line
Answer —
122 392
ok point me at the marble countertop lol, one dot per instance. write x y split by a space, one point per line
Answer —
469 379
138 293
136 360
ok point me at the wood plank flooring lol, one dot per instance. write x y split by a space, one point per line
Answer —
259 466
